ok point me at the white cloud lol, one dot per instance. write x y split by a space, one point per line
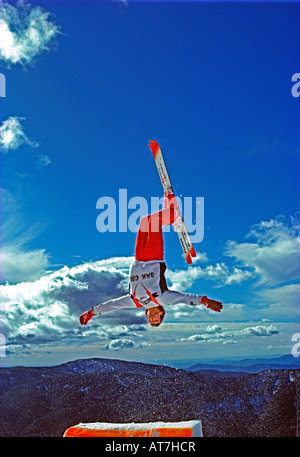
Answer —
200 257
215 333
274 254
12 134
25 32
124 343
271 259
18 263
259 330
48 309
43 161
220 273
213 328
232 312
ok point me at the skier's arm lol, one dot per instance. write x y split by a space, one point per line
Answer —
172 297
107 307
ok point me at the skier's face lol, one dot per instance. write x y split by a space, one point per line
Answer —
154 315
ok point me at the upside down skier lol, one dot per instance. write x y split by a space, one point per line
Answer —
147 284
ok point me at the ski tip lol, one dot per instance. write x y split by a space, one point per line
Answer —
154 147
192 252
188 259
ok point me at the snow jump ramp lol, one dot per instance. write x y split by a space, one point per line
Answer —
188 429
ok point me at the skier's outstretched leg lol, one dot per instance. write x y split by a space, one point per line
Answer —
149 240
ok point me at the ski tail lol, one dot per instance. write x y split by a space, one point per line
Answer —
154 148
161 167
179 224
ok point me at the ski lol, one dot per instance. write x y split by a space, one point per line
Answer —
179 224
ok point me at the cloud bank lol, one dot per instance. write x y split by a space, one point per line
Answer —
274 253
124 343
46 310
25 32
219 273
214 333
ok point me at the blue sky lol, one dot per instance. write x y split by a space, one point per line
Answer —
211 82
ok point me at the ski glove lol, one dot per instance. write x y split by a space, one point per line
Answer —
212 304
85 317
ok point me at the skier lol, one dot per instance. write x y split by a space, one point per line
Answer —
147 284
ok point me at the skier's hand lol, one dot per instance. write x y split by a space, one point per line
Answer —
212 304
85 317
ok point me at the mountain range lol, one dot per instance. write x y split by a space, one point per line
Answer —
254 365
45 401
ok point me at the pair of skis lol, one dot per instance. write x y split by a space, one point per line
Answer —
179 224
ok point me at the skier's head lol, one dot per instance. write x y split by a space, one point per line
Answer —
155 315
